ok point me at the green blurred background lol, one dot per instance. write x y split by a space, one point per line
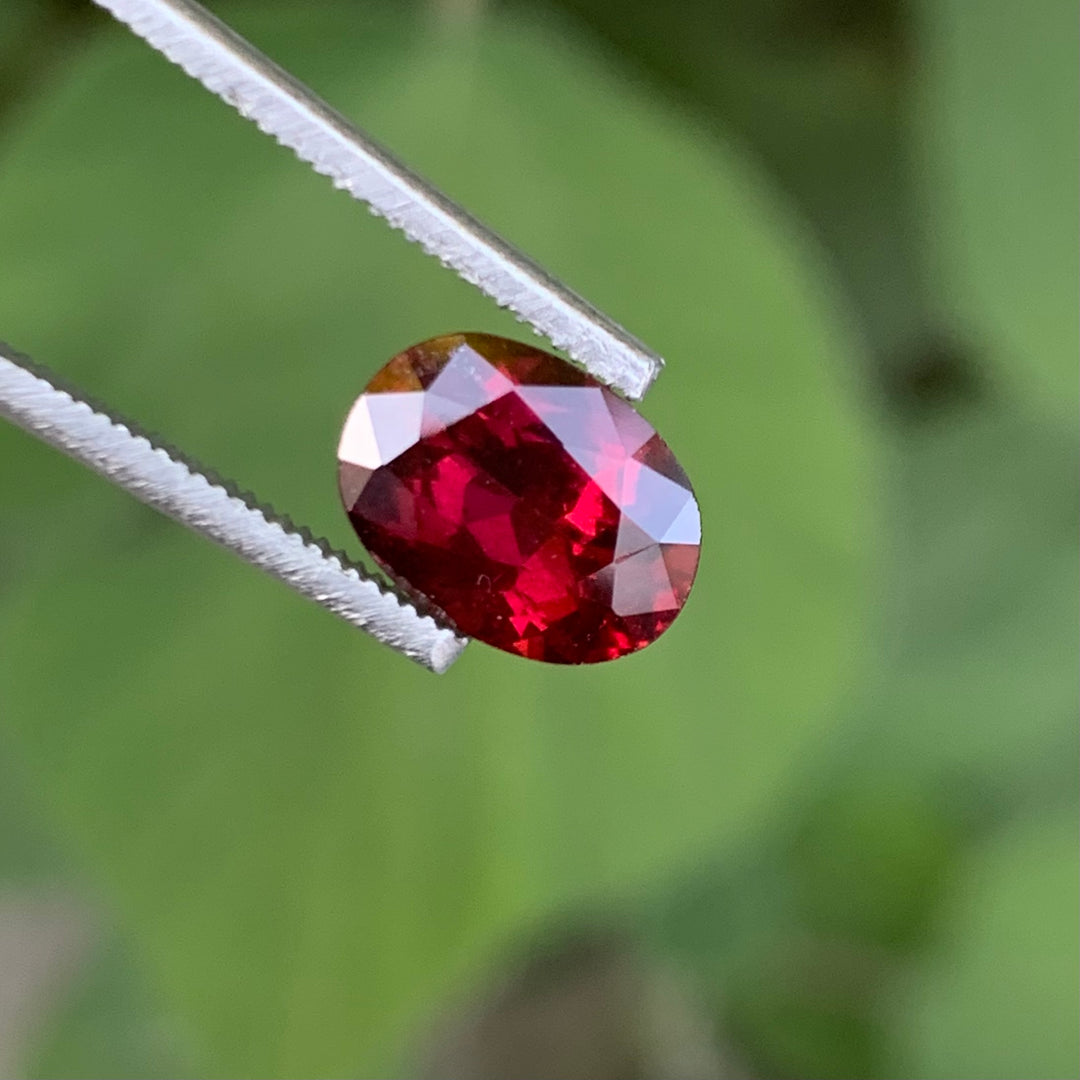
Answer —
827 827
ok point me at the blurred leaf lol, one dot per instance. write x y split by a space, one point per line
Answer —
34 35
581 1002
868 857
26 851
312 840
21 27
17 17
801 938
996 134
983 638
803 1006
13 17
1001 998
110 1026
818 91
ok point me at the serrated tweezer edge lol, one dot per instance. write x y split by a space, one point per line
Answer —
258 89
161 478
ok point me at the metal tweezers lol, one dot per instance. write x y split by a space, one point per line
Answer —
258 89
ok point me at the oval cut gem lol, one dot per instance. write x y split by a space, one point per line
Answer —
524 499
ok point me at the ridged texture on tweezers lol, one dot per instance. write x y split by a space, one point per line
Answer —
261 91
30 397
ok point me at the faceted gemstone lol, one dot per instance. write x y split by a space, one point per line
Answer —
528 502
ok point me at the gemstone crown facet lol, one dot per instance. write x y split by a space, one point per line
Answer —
526 501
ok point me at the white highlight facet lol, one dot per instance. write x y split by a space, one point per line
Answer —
686 528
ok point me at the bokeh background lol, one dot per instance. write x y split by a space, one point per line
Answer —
827 827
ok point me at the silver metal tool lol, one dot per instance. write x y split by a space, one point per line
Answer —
238 73
164 480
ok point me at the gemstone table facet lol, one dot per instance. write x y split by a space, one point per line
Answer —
526 501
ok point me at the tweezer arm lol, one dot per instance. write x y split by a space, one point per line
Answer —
258 89
31 399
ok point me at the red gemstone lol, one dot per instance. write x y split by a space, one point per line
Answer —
528 502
